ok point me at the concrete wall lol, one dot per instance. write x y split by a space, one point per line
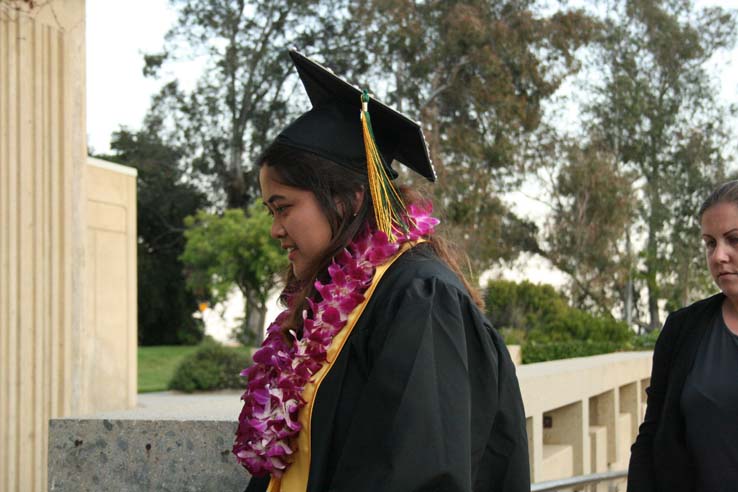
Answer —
67 244
578 414
108 345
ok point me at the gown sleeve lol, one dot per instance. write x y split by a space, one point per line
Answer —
426 416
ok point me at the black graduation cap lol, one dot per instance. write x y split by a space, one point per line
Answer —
333 128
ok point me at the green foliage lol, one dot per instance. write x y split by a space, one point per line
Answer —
165 306
591 209
513 336
540 320
523 305
544 314
234 249
655 111
646 341
211 367
541 352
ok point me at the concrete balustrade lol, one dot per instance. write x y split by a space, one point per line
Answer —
581 417
583 414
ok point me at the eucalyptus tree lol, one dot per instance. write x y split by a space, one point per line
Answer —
243 92
475 73
656 109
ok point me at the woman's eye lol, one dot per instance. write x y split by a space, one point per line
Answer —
281 209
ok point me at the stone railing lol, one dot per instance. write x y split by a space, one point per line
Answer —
582 414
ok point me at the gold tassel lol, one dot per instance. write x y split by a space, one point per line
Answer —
389 209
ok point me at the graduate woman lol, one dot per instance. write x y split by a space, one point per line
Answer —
382 374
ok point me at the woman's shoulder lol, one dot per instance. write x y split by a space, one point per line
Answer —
703 307
686 322
420 264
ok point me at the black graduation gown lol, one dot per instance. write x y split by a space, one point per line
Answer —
423 396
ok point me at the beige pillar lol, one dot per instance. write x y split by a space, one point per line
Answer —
630 403
603 412
534 429
568 427
42 156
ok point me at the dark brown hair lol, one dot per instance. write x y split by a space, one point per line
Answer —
336 188
725 193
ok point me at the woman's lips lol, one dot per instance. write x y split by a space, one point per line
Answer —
292 254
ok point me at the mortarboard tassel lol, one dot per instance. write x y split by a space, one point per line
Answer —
389 209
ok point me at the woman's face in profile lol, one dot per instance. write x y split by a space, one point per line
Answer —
720 235
297 221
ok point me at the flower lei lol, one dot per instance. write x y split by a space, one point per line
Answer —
273 397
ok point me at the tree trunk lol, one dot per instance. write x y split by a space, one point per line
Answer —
236 193
651 270
253 321
261 323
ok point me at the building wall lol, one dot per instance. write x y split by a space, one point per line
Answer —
67 290
107 361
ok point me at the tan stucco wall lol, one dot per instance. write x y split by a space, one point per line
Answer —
107 348
67 244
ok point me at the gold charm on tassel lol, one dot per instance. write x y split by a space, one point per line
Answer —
389 209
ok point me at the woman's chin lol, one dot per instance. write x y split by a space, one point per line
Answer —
298 272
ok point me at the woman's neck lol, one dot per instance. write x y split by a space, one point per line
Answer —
730 314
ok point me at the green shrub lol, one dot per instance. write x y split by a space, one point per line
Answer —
543 310
211 367
646 341
513 336
540 352
577 325
523 305
541 320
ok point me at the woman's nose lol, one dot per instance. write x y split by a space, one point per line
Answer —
277 231
721 253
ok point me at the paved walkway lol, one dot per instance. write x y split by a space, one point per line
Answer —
170 405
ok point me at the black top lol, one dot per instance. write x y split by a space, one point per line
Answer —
423 396
660 460
710 406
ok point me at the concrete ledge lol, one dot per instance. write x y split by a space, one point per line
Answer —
179 442
158 446
133 455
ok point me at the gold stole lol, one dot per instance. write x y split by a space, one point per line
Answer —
295 479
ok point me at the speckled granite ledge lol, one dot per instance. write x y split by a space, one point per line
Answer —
162 445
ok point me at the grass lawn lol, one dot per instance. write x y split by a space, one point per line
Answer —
156 364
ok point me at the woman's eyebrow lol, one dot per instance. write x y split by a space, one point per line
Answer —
274 198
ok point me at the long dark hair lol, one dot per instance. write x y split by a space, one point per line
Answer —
336 189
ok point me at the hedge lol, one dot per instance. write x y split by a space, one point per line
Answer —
211 367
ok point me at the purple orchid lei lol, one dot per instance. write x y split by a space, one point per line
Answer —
273 397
